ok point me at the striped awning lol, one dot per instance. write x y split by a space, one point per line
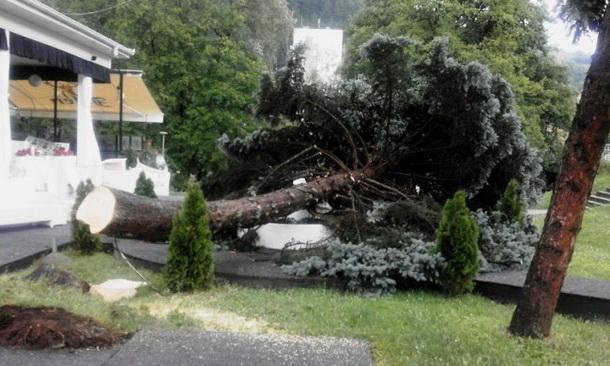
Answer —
37 101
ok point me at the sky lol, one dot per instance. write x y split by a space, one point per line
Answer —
559 35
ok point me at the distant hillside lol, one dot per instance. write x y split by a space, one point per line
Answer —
578 62
331 13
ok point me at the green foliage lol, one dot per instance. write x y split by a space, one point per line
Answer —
270 24
145 187
131 159
199 64
82 240
201 72
456 241
511 203
279 95
413 107
190 262
506 35
583 16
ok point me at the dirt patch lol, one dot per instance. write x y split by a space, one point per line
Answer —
41 328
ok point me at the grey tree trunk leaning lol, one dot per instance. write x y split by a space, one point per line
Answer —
581 156
122 214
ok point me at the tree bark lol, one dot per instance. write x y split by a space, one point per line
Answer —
581 156
122 214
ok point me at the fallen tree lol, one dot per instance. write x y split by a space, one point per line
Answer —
122 214
396 134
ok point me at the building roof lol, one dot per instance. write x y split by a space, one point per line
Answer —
41 23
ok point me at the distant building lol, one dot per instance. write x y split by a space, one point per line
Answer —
324 52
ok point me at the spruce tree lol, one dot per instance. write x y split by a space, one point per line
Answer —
190 263
511 204
82 239
145 186
456 240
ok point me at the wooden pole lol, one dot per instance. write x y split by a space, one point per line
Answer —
55 121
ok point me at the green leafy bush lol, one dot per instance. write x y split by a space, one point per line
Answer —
190 263
145 186
82 240
456 241
511 203
371 270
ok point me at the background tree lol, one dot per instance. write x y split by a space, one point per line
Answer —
198 63
190 263
270 27
506 35
145 186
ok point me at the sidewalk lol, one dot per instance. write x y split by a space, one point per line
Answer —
21 247
197 348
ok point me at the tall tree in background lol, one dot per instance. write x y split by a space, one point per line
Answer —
506 35
534 313
197 63
270 25
202 75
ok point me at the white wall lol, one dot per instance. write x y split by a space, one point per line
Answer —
324 52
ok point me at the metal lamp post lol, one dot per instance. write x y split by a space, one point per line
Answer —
163 134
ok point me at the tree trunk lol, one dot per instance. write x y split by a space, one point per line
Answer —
118 213
581 156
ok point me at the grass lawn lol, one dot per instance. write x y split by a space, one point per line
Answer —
601 183
410 328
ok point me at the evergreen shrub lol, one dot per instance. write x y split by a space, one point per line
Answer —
372 270
456 241
190 263
82 240
511 203
505 244
145 186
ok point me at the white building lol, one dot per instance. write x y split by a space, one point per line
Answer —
38 178
323 54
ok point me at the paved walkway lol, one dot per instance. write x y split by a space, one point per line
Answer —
581 297
196 348
256 269
20 247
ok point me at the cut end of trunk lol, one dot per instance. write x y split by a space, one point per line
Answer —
97 209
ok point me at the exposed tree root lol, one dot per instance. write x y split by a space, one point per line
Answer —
44 328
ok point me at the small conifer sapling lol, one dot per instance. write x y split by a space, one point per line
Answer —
456 241
511 203
190 263
145 186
